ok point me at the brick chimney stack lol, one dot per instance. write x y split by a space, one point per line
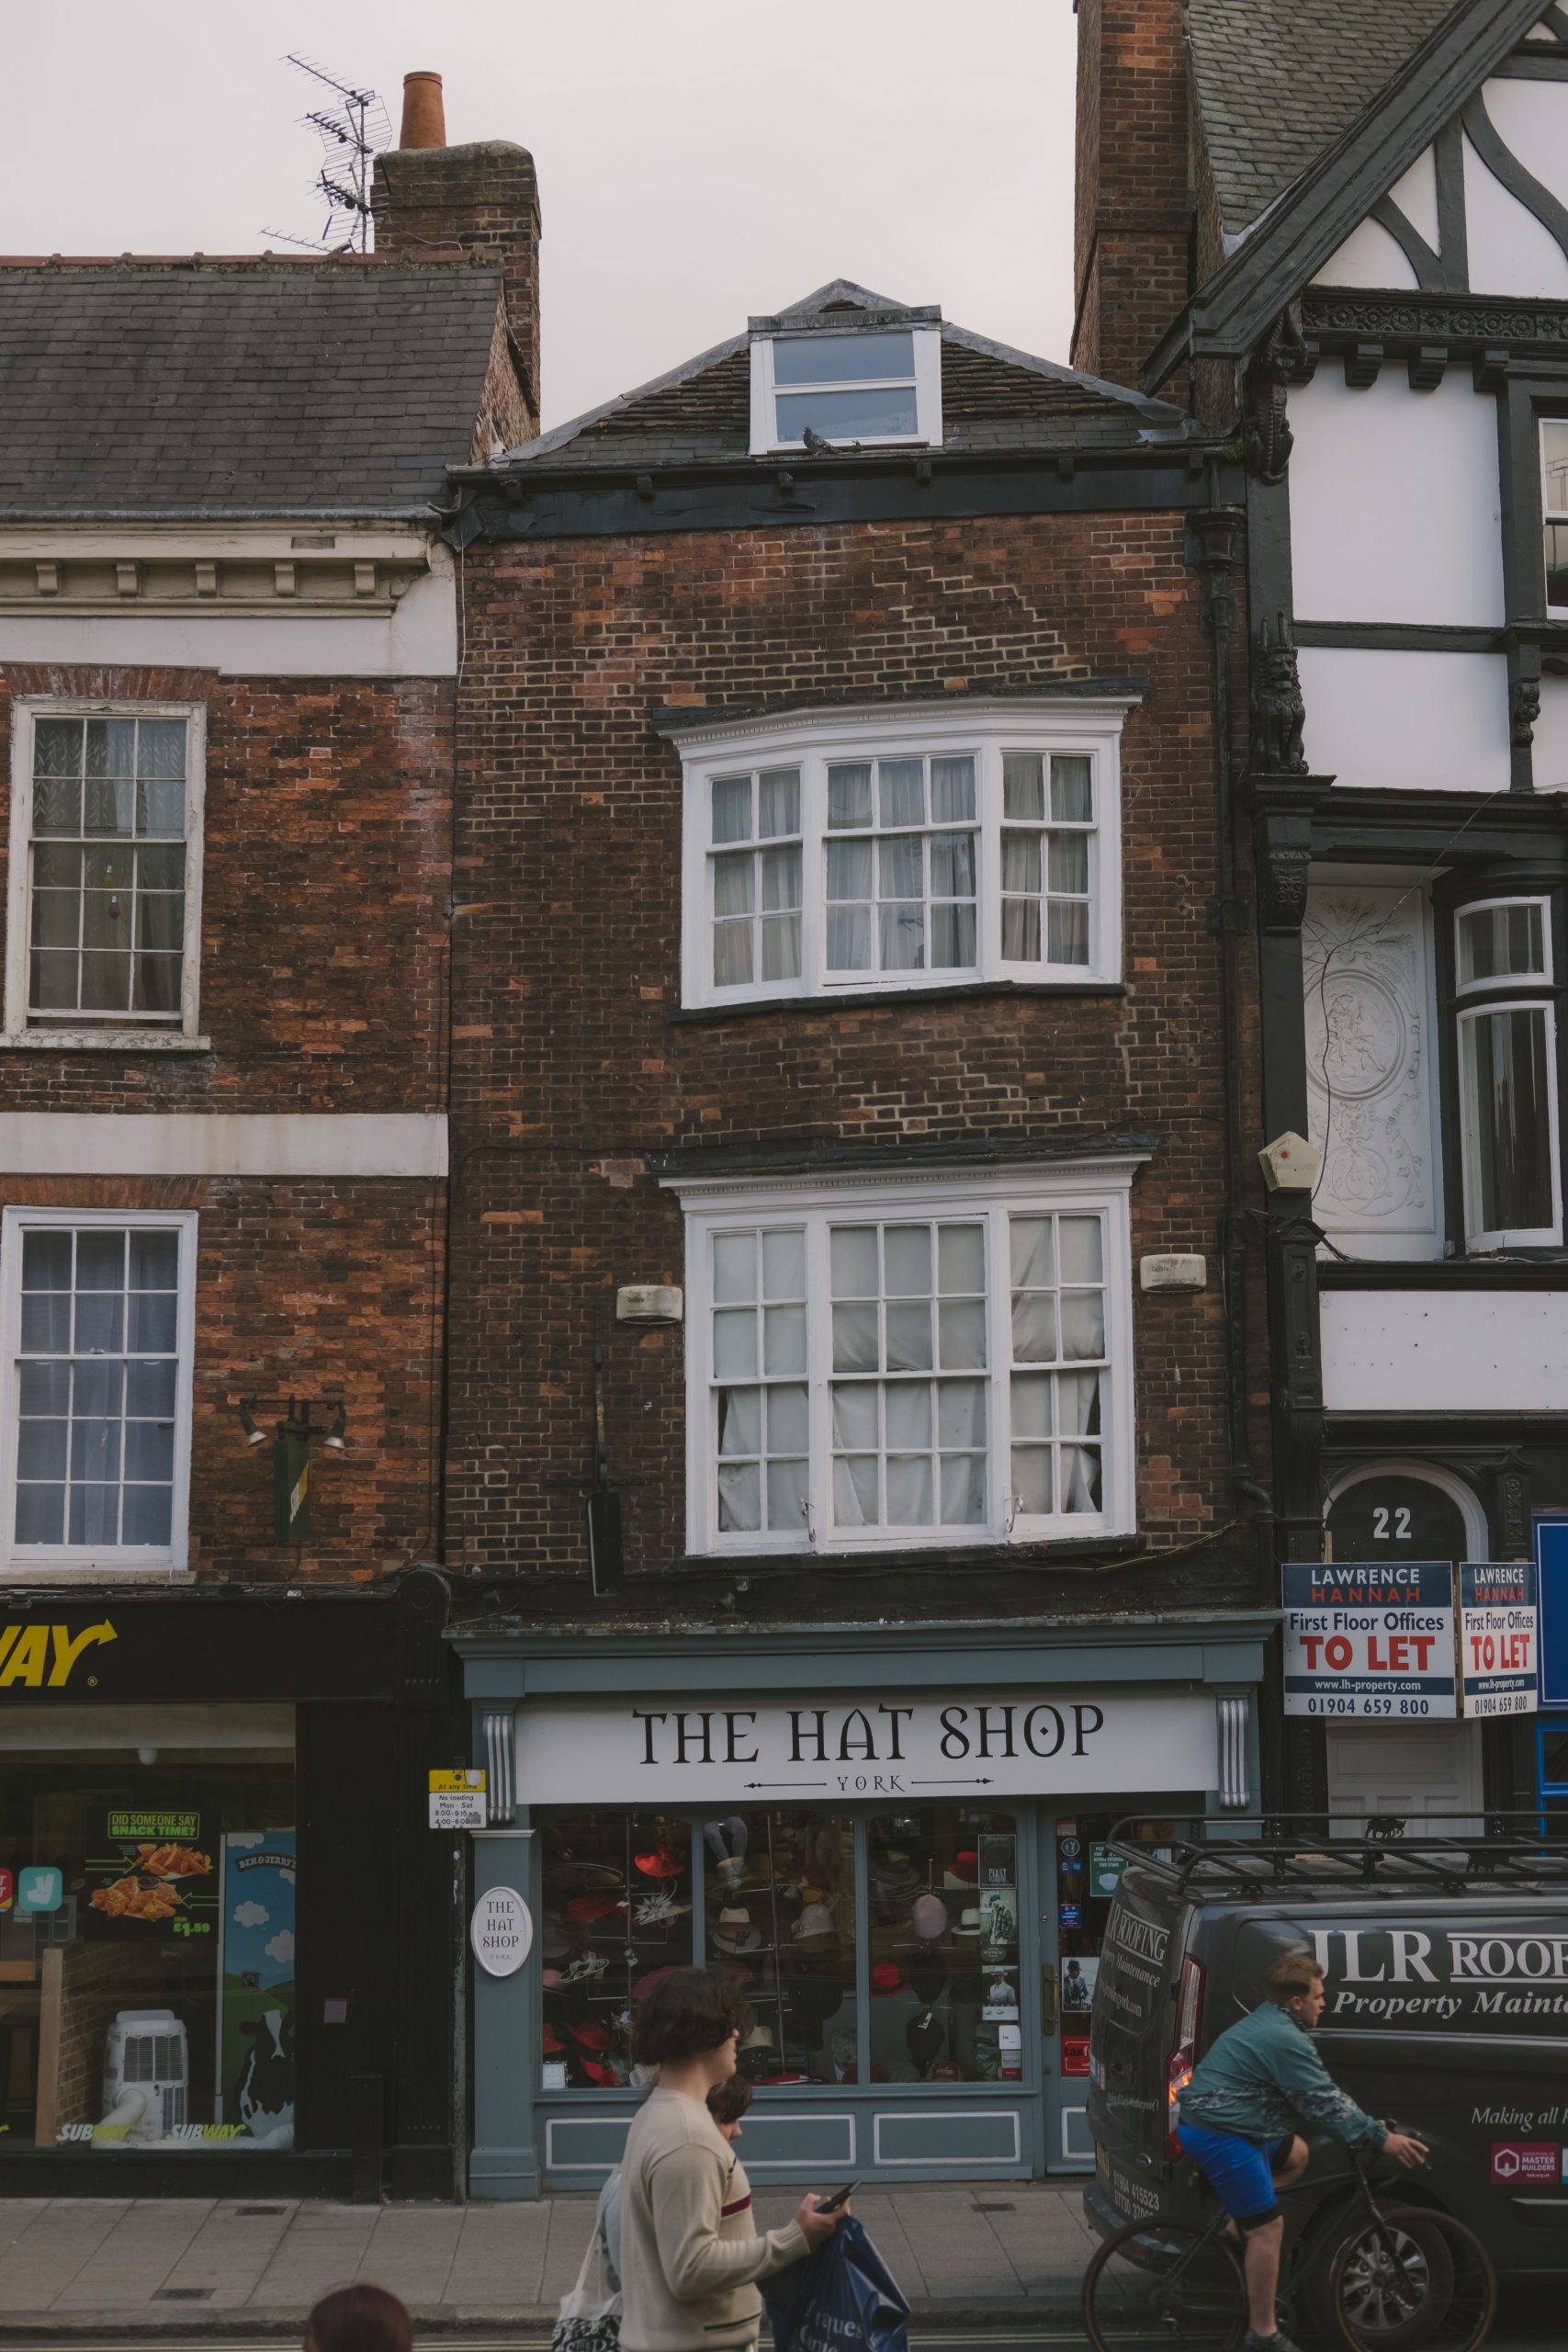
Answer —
432 202
1131 222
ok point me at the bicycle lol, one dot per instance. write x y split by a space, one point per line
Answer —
1379 2279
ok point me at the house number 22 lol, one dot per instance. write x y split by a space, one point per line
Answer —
1379 1524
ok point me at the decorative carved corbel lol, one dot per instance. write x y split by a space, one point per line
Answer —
1282 358
1279 714
1524 709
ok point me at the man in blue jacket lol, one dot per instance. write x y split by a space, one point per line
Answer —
1238 2119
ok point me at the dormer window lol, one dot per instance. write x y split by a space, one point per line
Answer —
873 387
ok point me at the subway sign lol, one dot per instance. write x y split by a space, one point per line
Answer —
37 1653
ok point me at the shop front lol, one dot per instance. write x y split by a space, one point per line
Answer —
210 1826
896 1845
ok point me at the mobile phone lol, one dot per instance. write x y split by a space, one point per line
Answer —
836 2197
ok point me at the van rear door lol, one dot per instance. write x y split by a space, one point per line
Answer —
1131 2039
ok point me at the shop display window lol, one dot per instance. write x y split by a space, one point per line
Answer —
942 1887
147 1930
1088 1873
781 1916
617 1911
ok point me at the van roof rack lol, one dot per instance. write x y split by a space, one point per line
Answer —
1245 1854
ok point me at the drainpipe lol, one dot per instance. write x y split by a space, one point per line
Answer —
1219 531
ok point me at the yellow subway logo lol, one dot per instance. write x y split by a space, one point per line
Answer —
44 1657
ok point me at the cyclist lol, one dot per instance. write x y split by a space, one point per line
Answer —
1238 2116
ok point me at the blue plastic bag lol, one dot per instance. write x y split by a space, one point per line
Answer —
842 2298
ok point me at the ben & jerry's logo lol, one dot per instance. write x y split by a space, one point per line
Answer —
44 1657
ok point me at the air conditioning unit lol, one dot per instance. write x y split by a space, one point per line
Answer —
146 2054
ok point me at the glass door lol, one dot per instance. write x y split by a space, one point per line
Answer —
1078 1875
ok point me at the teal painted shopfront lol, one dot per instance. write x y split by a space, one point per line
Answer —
893 1841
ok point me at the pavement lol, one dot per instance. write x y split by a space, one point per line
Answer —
143 2267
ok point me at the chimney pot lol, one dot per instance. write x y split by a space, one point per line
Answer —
424 112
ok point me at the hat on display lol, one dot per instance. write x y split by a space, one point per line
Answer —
759 2038
582 1876
891 1873
554 1941
967 1861
551 1979
886 1976
815 1925
583 1910
969 1924
923 2038
734 1930
727 1841
591 2035
662 1861
944 2070
928 1978
600 2072
551 2043
928 1916
656 1910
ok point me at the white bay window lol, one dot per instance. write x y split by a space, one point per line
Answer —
851 851
909 1361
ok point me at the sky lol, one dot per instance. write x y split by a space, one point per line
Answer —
698 160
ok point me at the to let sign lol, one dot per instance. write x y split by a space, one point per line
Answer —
1369 1638
502 1931
1497 1637
457 1800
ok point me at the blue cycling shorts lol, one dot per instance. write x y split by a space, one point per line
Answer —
1240 2172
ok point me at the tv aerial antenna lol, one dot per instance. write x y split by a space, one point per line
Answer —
353 127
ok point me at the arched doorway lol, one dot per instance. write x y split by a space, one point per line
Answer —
1403 1509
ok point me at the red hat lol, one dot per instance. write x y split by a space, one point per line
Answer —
552 2045
886 1976
597 2072
585 1908
663 1862
644 1985
591 2035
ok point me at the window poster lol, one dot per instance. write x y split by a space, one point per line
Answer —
149 1871
255 1987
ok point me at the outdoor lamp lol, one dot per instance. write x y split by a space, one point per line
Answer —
247 1422
334 1437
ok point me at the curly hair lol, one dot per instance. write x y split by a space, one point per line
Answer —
361 2318
688 2011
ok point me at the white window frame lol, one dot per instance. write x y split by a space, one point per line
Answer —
26 1563
1527 1237
21 1029
1505 980
1097 1188
927 380
982 728
1549 514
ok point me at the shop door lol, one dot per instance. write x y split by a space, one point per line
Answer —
1409 1772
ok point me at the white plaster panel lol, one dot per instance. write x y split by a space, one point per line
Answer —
1395 514
418 639
1531 120
1438 722
1550 748
1368 256
1369 1062
1431 1351
1416 195
1510 253
182 1143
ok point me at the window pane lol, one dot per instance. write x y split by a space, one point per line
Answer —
153 1323
1554 457
901 792
786 1918
1080 1478
110 806
854 1415
161 810
57 917
909 1414
149 1450
953 791
161 747
57 806
902 937
731 955
1023 785
57 747
849 870
147 1516
732 885
1507 1110
1083 1325
961 1258
783 1339
842 358
786 1497
616 1909
953 938
855 1499
1069 864
784 1265
40 1514
906 1250
909 1337
901 867
944 1952
735 1344
910 1498
1021 863
953 865
45 1261
781 879
846 417
1067 932
112 747
154 1261
1556 536
740 1499
1072 793
854 1339
962 1335
849 796
781 947
854 1260
43 1388
105 983
778 802
786 1418
41 1448
1021 930
1498 942
1079 1241
93 1516
732 808
734 1266
740 1420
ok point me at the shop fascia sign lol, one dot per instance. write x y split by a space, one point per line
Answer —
36 1655
1013 1743
1415 1640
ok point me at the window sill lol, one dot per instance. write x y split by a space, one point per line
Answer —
1512 1271
101 1041
895 1559
860 1000
37 1572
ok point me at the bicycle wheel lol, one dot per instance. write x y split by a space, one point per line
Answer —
1159 2287
1417 2280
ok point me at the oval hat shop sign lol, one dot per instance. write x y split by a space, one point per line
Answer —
502 1931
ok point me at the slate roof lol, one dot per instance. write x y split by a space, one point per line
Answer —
278 387
1278 80
993 399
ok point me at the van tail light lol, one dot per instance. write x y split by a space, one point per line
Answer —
1184 2050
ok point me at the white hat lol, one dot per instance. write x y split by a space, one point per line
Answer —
969 1924
815 1924
734 1932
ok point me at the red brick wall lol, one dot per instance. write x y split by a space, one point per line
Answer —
1132 213
328 818
308 1287
567 1070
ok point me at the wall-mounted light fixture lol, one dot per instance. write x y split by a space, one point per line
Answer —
291 1454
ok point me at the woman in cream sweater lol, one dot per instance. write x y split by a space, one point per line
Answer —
690 2253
